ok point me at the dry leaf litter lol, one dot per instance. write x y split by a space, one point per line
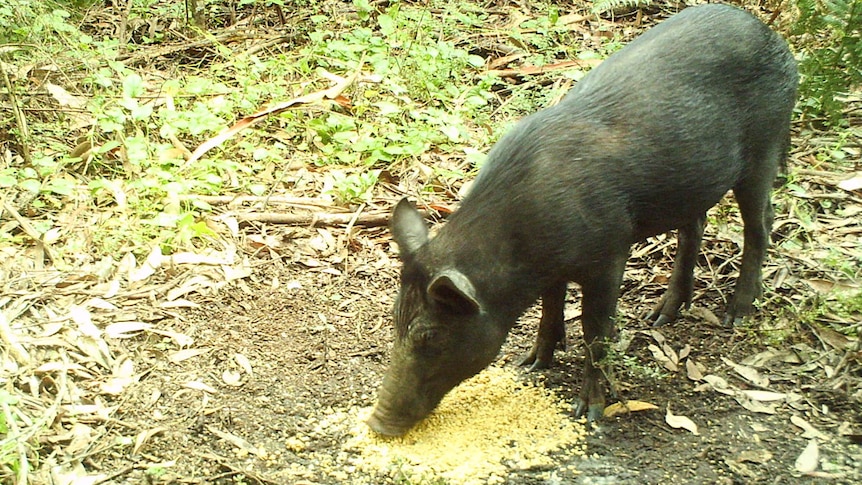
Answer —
491 423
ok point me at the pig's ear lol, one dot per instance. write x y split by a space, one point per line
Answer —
408 228
453 290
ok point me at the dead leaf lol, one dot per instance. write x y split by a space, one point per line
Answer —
625 339
809 431
95 349
671 354
836 340
81 316
194 283
244 363
123 376
676 421
182 340
185 354
827 286
754 406
232 273
739 468
755 456
215 259
80 437
64 98
235 440
572 18
231 378
705 314
148 267
144 436
200 386
502 61
660 357
618 408
809 459
685 352
48 367
764 396
75 475
78 115
692 370
126 329
762 358
718 384
10 340
179 303
655 335
851 184
750 374
100 303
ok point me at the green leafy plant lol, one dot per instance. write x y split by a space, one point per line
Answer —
827 33
356 187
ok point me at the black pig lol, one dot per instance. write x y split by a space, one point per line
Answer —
647 142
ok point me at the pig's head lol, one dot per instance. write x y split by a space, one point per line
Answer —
443 334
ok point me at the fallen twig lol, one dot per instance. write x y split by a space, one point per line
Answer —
234 470
332 93
533 70
29 230
253 199
316 219
20 119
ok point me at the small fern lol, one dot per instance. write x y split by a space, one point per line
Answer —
603 6
827 37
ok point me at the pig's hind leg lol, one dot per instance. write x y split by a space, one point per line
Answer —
755 206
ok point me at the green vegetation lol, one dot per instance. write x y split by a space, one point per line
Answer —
828 38
420 92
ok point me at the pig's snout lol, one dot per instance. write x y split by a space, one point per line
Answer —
383 423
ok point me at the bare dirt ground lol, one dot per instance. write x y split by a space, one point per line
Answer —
245 366
316 340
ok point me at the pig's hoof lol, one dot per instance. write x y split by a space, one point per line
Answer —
661 320
534 361
593 412
734 316
658 317
383 427
733 320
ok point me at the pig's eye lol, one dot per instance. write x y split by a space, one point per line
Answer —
428 340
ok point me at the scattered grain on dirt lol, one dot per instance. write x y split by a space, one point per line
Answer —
487 426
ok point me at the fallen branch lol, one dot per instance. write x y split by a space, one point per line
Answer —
333 93
533 70
373 219
253 199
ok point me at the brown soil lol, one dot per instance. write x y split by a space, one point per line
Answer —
317 340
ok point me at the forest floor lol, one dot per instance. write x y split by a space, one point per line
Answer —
252 364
